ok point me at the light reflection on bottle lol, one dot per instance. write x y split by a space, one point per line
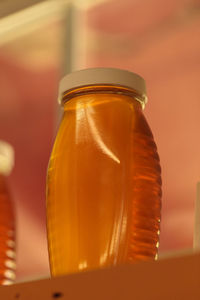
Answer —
82 265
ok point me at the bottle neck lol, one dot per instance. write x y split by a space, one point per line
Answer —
103 89
3 183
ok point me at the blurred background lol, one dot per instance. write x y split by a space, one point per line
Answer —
40 41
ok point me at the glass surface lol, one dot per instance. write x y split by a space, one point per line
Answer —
103 185
7 235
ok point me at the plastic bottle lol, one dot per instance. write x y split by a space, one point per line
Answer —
103 183
7 219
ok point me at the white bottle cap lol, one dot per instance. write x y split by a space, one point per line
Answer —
6 158
101 76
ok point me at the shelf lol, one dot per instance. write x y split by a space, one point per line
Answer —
170 278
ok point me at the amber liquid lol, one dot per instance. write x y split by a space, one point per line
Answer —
7 236
103 186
